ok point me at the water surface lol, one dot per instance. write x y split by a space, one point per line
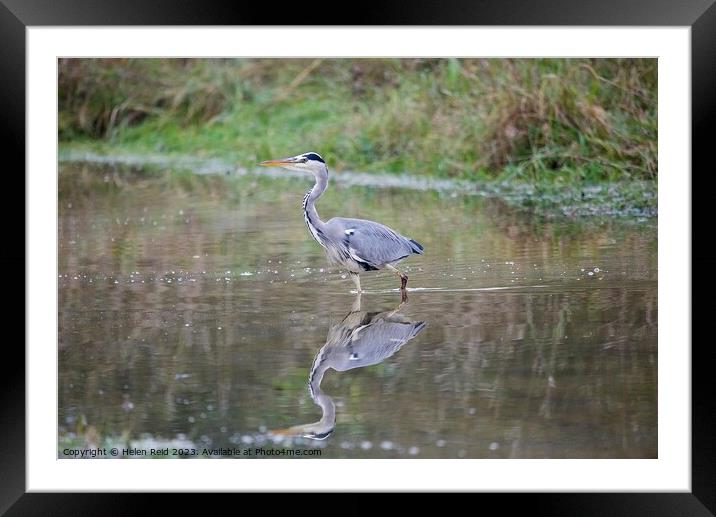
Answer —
195 313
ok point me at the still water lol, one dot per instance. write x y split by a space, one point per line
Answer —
199 313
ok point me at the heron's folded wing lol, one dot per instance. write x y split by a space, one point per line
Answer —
375 243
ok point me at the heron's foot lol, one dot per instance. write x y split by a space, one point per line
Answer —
403 277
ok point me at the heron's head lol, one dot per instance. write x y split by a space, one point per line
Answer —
306 162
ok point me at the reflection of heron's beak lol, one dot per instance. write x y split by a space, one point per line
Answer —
289 431
278 163
300 431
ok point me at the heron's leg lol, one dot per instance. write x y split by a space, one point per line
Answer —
356 303
403 276
356 280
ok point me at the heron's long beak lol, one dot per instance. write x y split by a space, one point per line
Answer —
278 163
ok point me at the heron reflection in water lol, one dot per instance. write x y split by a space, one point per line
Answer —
360 339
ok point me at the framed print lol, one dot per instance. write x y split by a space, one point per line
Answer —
505 203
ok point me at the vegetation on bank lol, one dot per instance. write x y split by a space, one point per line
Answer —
535 121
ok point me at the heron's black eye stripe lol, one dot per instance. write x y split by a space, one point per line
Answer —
320 436
314 156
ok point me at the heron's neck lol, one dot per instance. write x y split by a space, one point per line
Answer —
313 221
325 402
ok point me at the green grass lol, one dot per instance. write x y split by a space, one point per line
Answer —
538 121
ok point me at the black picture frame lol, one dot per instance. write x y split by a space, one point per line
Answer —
700 15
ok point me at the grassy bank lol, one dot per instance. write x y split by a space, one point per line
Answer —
541 122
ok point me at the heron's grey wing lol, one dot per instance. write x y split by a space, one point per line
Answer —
335 352
371 242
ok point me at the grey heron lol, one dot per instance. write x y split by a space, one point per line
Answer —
360 339
358 245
